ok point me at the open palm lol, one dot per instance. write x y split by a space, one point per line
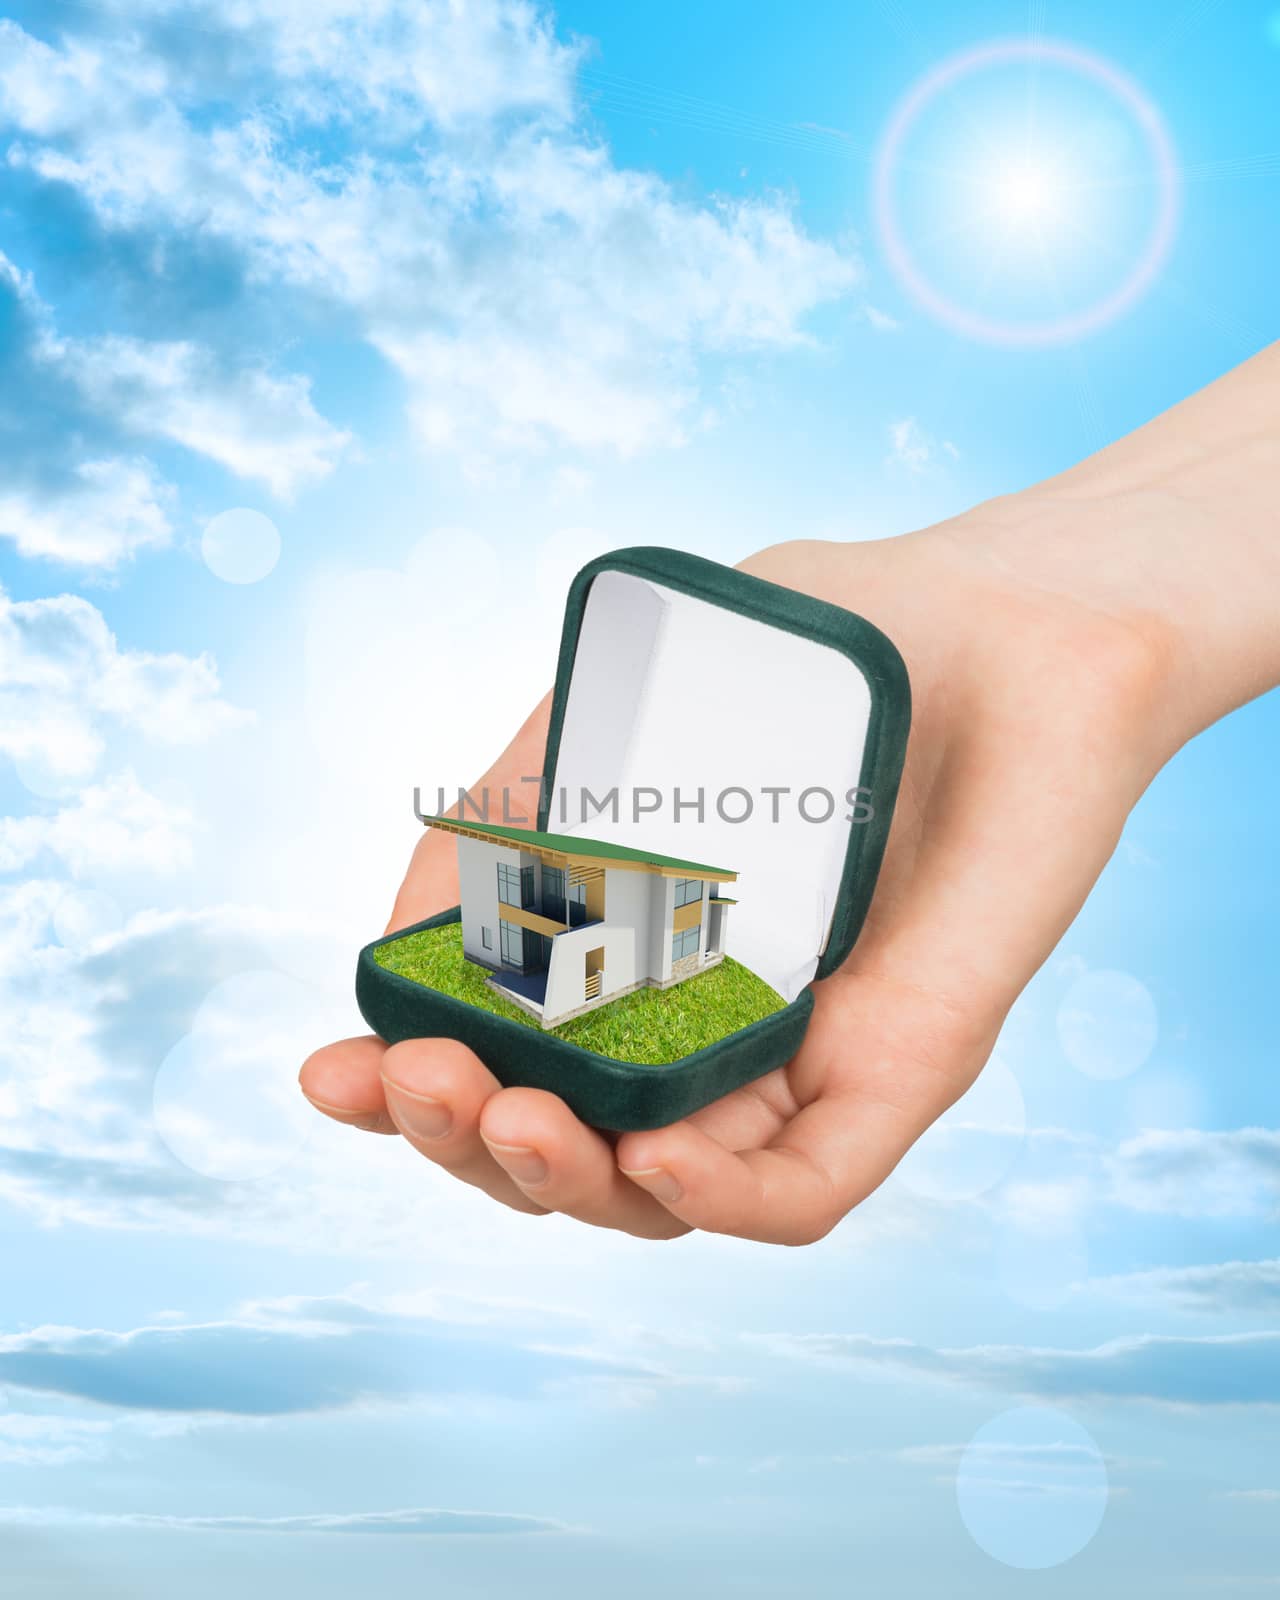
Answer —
1036 728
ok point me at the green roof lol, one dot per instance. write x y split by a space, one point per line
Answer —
573 844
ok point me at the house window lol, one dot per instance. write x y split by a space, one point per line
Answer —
566 902
515 885
553 893
685 943
511 944
486 938
688 890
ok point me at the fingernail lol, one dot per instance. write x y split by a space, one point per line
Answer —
420 1114
525 1165
658 1181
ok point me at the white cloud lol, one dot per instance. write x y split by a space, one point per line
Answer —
53 89
1196 1173
64 679
87 1028
113 826
31 1440
1184 1172
881 321
429 59
430 1521
1008 1454
253 423
1216 1287
1232 1369
913 450
301 1356
580 320
407 62
97 512
108 511
529 290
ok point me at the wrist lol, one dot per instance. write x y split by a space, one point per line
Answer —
1185 574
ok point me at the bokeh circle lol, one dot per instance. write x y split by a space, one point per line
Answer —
240 545
1108 1024
226 1097
973 1146
1032 1488
83 915
1040 1261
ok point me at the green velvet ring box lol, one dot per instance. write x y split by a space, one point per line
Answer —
700 716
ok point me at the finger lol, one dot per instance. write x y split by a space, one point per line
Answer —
562 1164
435 1090
343 1080
431 883
750 1116
773 1196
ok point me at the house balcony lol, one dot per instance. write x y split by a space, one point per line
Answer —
523 917
533 920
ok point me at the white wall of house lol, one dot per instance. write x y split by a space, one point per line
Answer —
626 934
478 886
713 934
627 910
663 900
566 970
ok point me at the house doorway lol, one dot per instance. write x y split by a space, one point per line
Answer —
594 973
522 949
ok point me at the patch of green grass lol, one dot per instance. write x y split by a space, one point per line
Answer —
649 1026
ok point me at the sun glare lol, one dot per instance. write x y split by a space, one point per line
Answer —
1027 193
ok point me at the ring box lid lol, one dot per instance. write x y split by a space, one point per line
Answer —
741 724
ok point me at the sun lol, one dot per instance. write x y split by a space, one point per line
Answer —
1026 193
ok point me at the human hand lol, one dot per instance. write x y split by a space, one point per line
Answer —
1041 712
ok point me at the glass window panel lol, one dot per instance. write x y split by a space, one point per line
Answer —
553 901
511 940
684 943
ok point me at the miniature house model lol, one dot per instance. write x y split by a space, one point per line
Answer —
566 923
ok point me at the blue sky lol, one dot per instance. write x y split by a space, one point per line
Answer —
458 300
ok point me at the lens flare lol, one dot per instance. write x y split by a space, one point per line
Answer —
1027 197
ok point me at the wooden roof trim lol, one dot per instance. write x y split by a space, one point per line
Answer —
590 863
